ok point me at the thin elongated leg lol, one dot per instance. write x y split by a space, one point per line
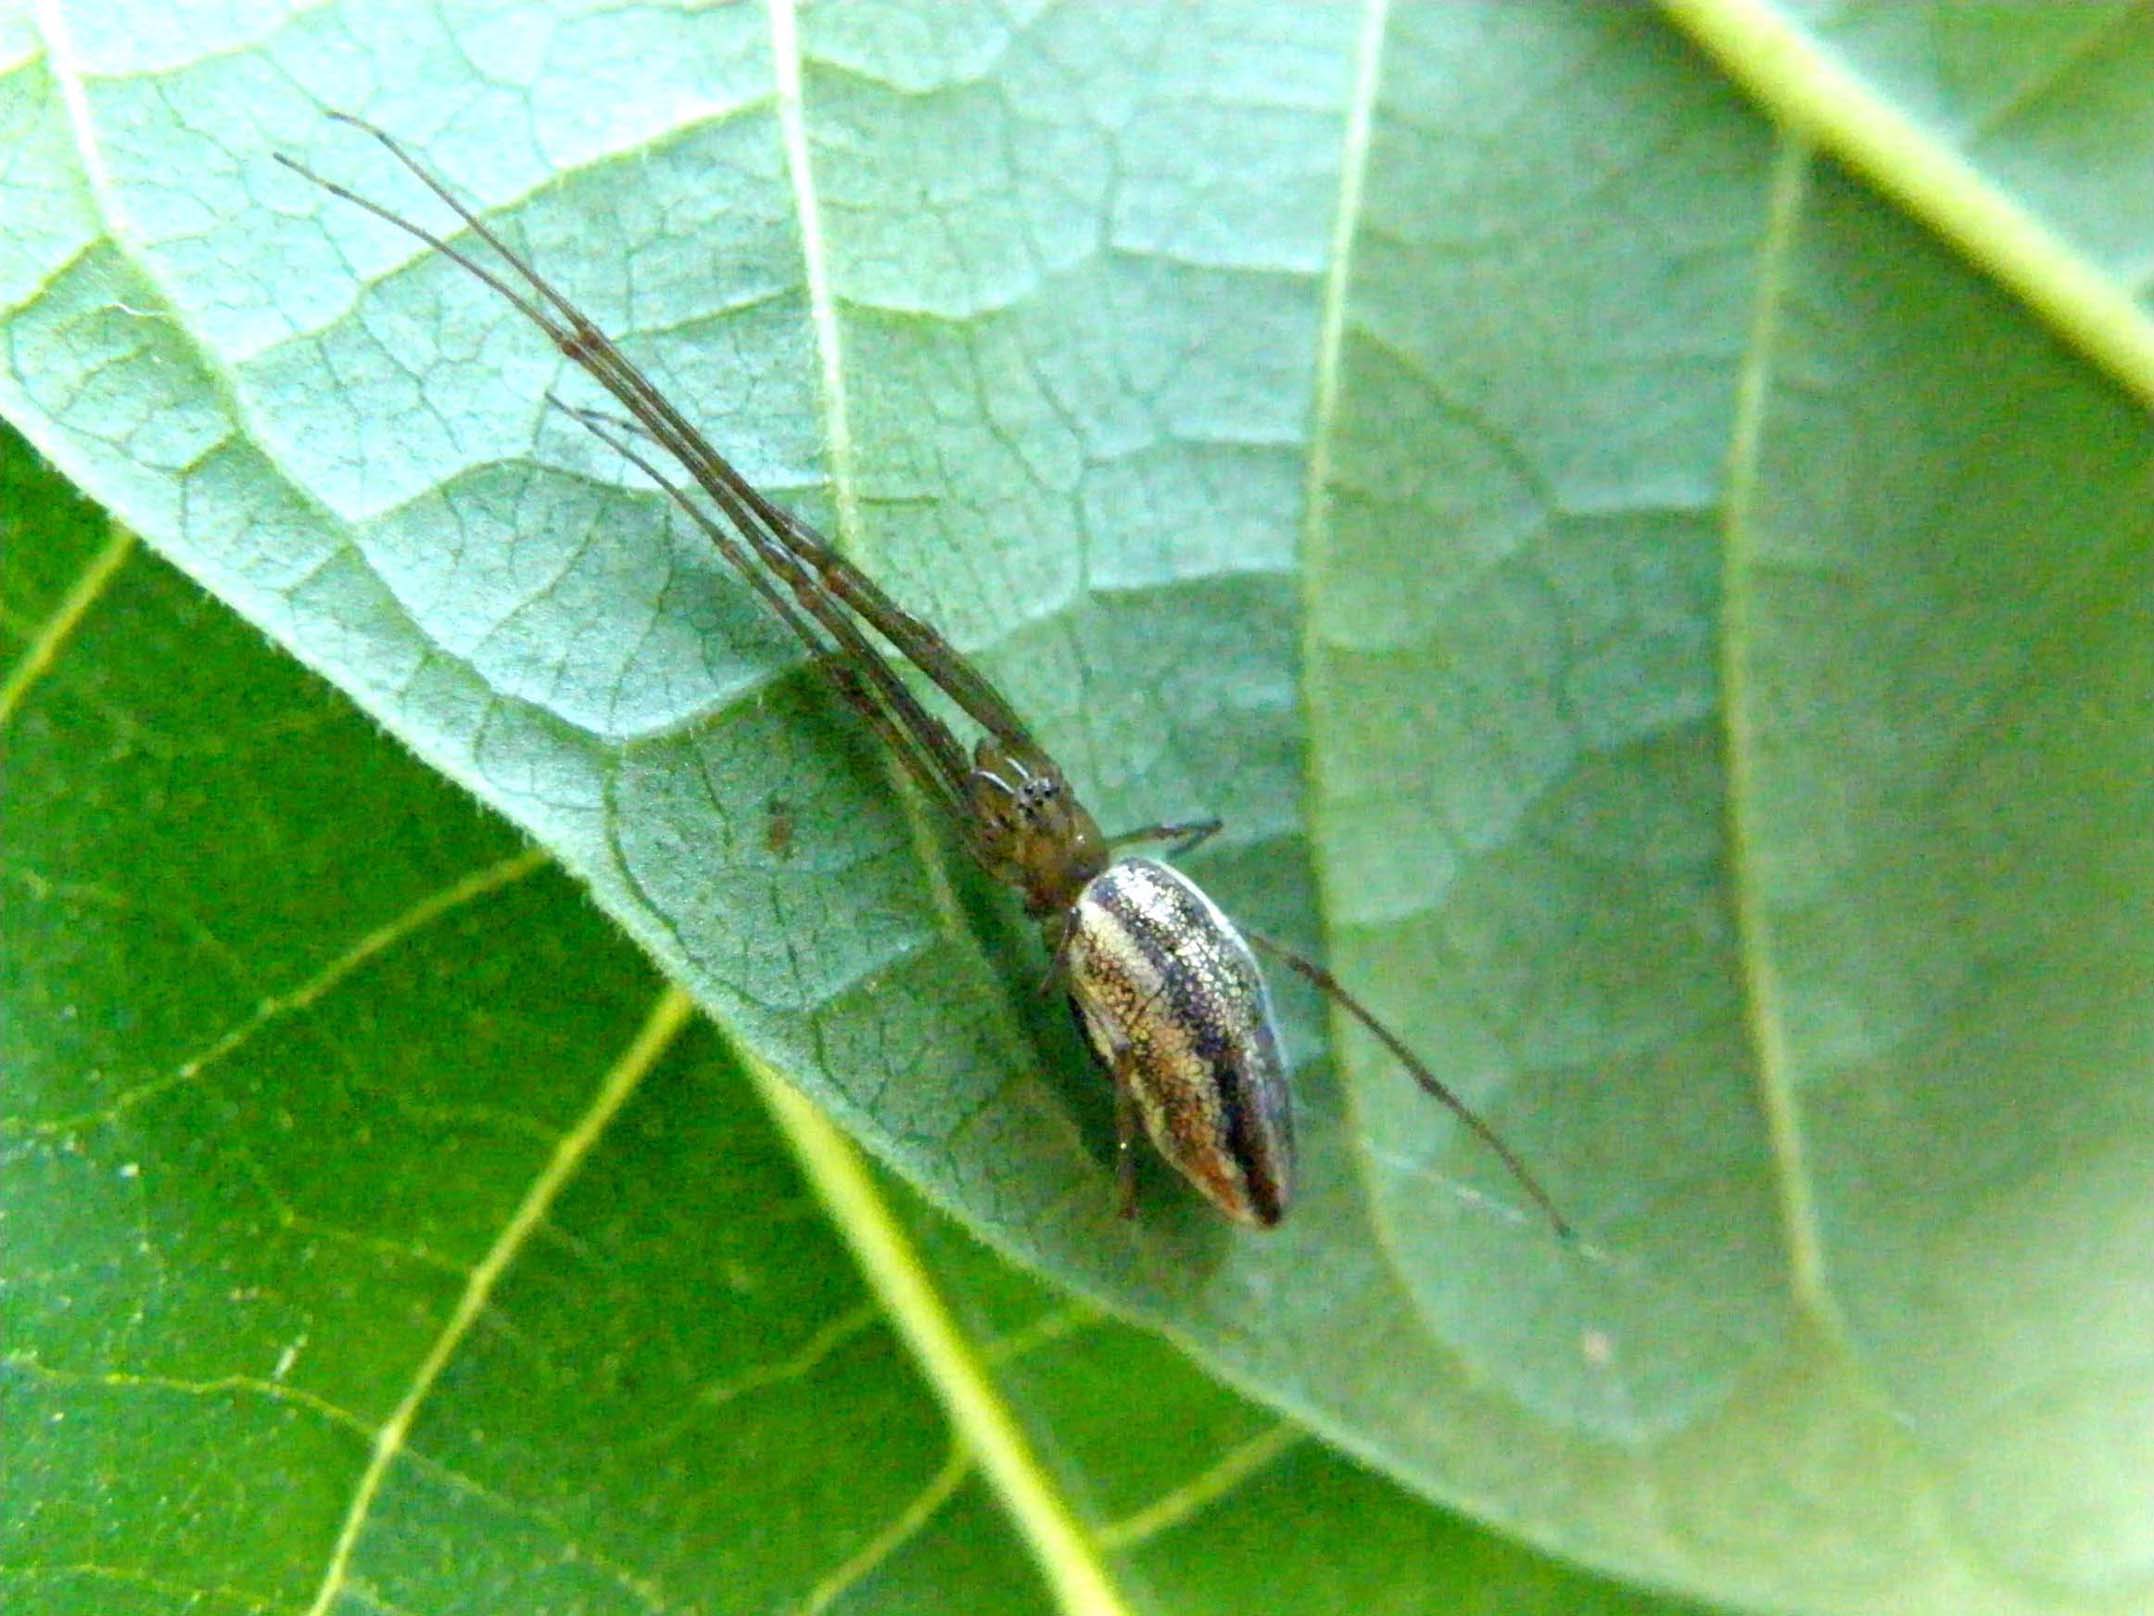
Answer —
622 424
919 642
924 731
1428 1080
927 766
1128 1125
1058 965
922 742
1188 835
807 561
826 586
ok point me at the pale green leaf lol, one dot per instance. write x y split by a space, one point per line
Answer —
1687 612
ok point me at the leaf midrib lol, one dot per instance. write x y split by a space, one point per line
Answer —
983 1426
1762 1005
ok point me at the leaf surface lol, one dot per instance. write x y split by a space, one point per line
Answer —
383 1233
1464 448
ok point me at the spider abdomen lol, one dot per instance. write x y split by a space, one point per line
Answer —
1172 1001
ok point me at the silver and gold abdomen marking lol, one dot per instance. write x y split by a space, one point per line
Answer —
1172 999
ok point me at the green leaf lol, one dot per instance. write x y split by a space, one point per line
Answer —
382 1235
1687 613
2014 132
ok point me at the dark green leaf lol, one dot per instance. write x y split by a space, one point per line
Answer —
1324 419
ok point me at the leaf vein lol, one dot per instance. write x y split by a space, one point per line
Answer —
1237 1465
1067 1554
269 1389
1754 943
1807 89
274 1007
902 1528
52 636
670 1013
